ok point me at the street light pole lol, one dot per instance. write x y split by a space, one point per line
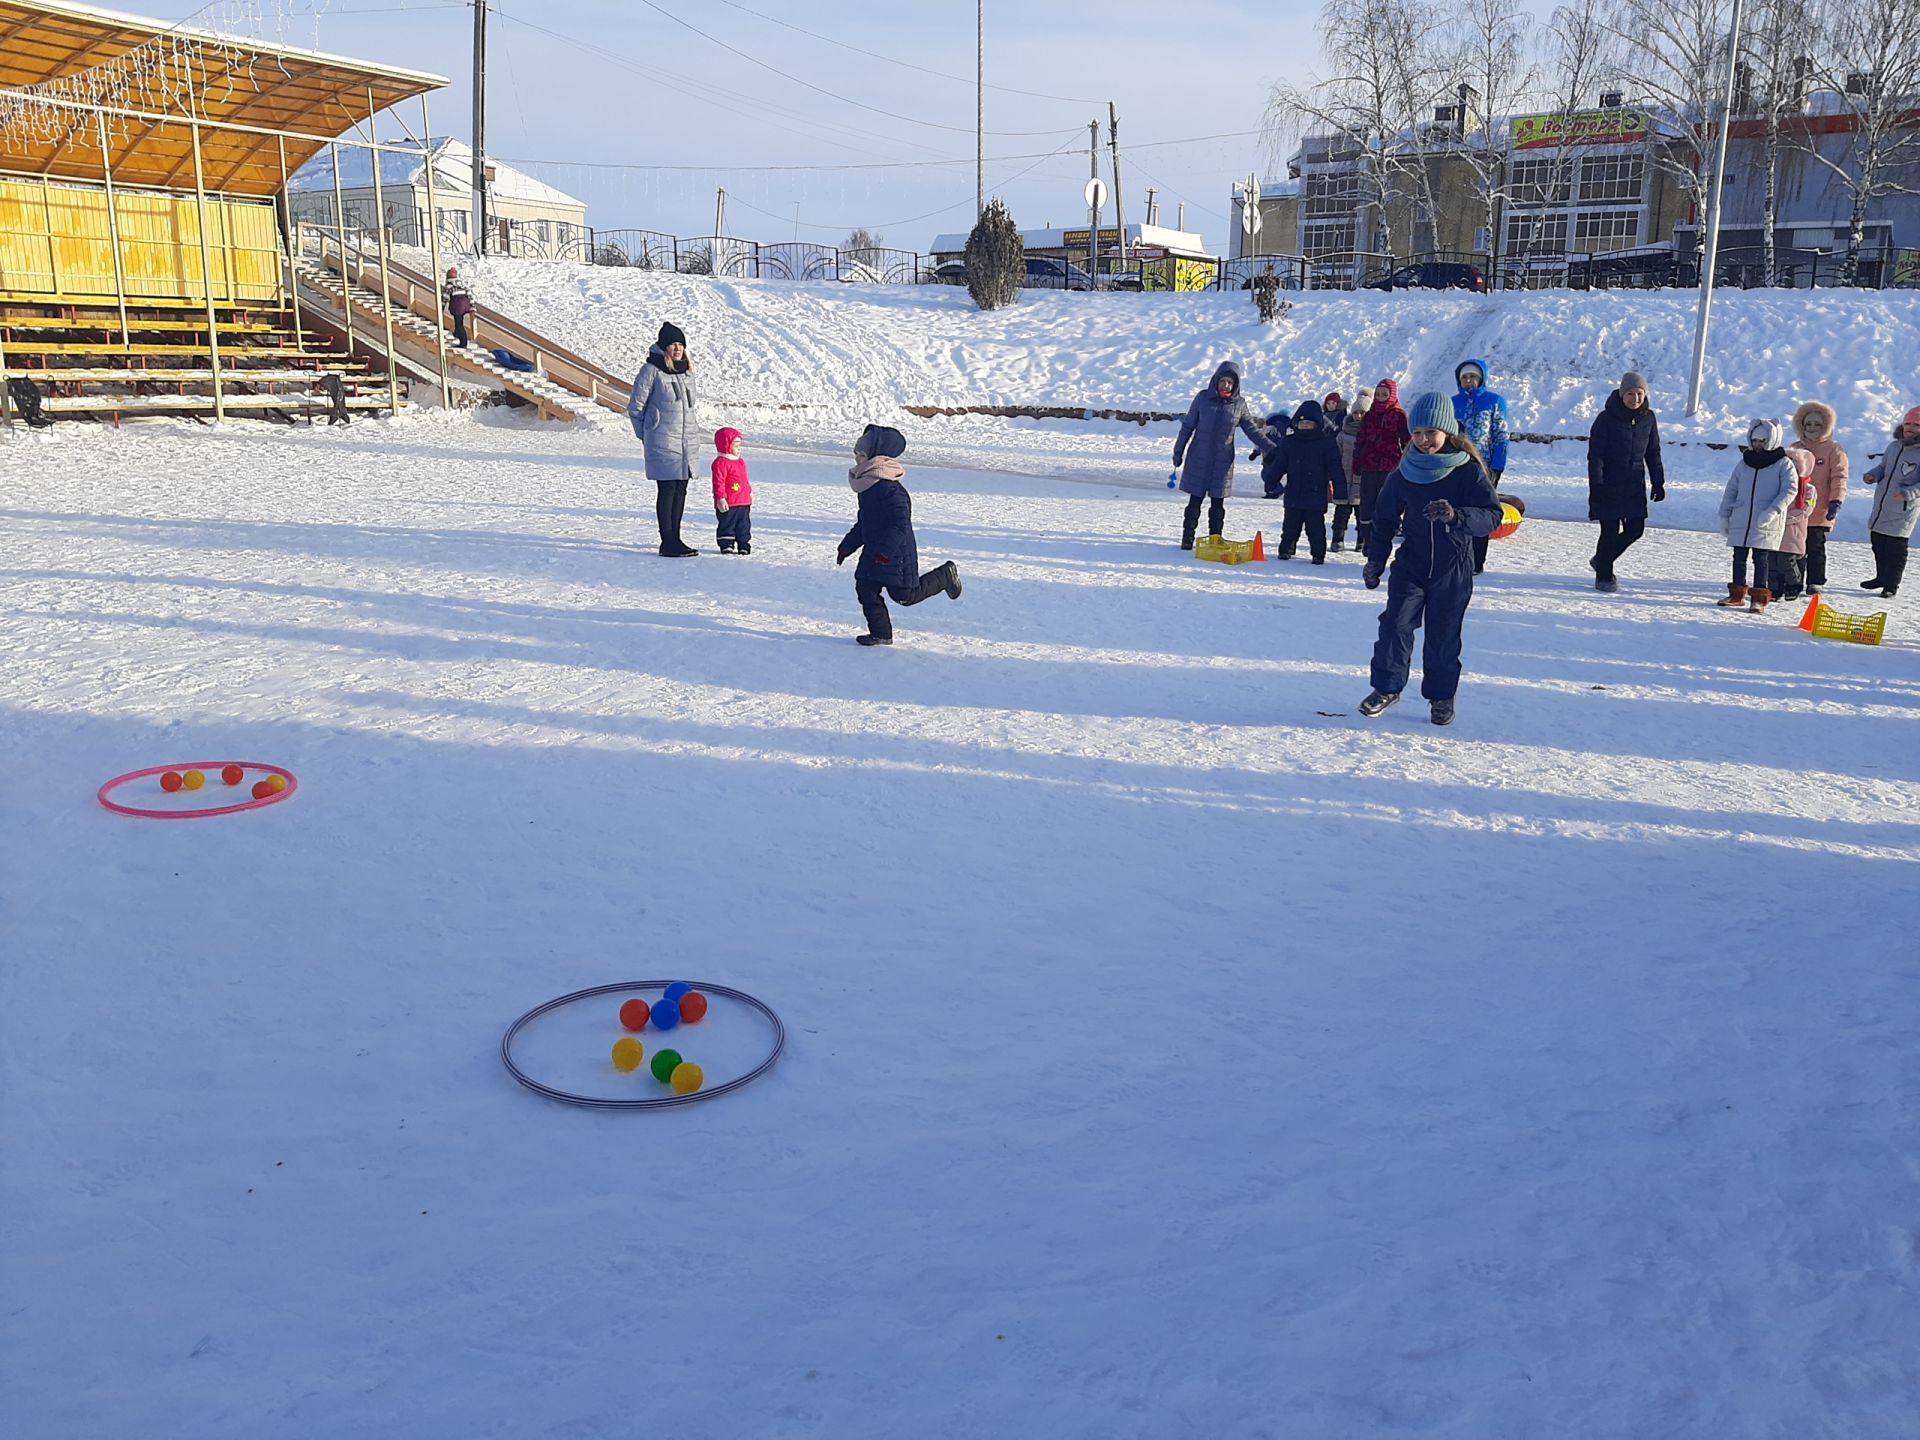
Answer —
1710 239
979 108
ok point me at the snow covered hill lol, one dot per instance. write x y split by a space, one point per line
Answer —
802 357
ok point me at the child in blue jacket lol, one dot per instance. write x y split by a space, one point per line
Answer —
1442 491
890 562
1483 420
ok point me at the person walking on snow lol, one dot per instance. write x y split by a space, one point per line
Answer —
1896 504
883 533
458 300
1346 498
1381 442
732 495
1203 453
1307 459
1753 512
1442 491
1813 423
1623 449
661 409
1483 419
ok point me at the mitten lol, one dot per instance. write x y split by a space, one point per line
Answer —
1440 510
840 556
719 506
1370 577
1659 493
1833 509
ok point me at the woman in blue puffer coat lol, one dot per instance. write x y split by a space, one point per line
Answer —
661 408
1204 452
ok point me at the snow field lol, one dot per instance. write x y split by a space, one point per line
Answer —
1170 1051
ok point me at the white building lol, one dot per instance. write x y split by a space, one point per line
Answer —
529 217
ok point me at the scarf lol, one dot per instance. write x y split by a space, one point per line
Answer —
1760 459
1421 469
872 470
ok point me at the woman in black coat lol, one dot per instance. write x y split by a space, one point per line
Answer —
1623 450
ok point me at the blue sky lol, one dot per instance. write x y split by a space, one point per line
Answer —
579 84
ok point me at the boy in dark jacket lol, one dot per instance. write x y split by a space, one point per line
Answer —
1441 489
1307 457
890 564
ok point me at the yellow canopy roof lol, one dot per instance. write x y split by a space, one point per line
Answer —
60 63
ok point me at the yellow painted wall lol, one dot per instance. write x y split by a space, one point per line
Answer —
55 240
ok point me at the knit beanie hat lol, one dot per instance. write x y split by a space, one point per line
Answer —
1363 398
1633 380
1334 401
1432 411
671 334
880 440
1802 460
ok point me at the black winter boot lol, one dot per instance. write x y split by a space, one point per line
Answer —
1376 703
953 580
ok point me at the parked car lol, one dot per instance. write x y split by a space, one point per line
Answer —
1122 280
1046 273
1430 275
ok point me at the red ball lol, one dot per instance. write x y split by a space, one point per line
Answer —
171 781
693 1007
262 789
233 775
635 1013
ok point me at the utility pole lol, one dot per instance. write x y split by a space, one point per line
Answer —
720 213
479 128
1093 200
979 108
1710 250
1153 207
1119 204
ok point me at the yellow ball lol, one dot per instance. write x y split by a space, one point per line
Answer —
628 1053
276 783
687 1078
193 779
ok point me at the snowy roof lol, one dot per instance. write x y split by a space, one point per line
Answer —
453 162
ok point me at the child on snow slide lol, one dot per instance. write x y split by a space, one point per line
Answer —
890 562
732 495
1442 491
1307 459
1896 504
1203 453
1753 512
1346 499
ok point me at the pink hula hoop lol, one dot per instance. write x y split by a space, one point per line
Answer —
212 767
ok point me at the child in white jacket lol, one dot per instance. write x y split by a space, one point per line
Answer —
1753 511
1896 505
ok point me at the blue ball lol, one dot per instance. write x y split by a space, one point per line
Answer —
677 989
1173 480
666 1015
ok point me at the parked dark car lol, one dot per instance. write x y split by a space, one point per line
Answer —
1430 275
1046 273
950 272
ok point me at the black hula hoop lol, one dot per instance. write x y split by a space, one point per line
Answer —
596 1102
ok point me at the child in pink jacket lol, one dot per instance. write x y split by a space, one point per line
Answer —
1790 560
732 495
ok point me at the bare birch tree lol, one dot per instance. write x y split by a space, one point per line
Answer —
1496 61
1777 67
1675 53
1873 65
1580 56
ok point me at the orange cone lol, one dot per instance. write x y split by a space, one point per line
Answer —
1808 620
1259 549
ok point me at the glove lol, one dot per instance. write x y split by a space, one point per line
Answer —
1659 493
719 507
1833 509
1440 510
840 557
1370 577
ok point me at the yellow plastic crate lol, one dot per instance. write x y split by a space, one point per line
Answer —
1230 552
1824 622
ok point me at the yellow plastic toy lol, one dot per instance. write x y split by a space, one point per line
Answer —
1230 552
1823 622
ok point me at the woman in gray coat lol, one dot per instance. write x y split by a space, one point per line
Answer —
1203 453
661 409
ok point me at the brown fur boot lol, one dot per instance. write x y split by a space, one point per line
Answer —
1758 599
1736 596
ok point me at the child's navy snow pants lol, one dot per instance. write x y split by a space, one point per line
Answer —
1442 603
736 526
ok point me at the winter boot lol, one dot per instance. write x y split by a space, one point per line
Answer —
1873 584
953 580
873 639
1441 712
744 549
1736 597
1376 703
726 547
1758 599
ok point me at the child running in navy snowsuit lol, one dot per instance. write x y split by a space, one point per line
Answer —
1307 459
1442 492
732 495
890 562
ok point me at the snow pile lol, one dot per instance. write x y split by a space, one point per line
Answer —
802 354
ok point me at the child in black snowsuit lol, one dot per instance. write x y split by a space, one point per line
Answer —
1307 458
890 564
1442 491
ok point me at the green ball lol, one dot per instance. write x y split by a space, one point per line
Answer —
664 1062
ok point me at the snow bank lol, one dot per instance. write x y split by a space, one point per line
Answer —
829 352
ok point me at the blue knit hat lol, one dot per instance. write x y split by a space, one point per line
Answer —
1432 411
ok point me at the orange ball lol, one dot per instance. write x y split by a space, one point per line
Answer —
261 789
634 1014
193 779
693 1007
232 775
171 781
276 783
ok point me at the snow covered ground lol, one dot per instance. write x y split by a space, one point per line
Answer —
1172 1052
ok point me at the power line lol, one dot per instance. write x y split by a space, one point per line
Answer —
906 64
831 94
